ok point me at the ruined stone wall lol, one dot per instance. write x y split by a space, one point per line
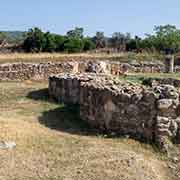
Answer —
41 71
122 109
146 67
65 89
112 106
168 114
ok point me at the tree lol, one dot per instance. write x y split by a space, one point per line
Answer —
59 42
100 40
131 45
50 44
2 37
164 38
76 33
35 41
73 45
88 44
119 41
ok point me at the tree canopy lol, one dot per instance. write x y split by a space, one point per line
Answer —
164 39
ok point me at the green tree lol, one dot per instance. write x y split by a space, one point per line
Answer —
50 44
59 42
76 33
73 45
88 44
35 41
2 37
164 38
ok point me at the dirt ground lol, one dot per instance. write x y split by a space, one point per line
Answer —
52 143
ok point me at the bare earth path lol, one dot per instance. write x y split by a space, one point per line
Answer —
53 144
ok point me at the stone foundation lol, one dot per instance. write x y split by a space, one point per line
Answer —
122 108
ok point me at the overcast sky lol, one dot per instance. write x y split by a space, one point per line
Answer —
58 16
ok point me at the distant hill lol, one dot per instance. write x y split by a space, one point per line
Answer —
13 37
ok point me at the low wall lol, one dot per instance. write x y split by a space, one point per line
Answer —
146 67
41 71
122 108
25 71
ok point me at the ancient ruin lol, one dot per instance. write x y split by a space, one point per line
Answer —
41 71
150 112
113 106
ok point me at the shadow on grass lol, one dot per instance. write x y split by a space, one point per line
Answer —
65 118
39 95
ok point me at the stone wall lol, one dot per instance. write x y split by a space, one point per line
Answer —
41 71
122 108
66 89
145 67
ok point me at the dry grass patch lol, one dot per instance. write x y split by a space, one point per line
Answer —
54 57
53 144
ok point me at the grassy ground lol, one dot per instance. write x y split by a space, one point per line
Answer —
54 144
139 77
45 57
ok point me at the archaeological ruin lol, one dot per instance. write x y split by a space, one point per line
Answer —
113 106
148 111
41 71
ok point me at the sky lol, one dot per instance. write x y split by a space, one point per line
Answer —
58 16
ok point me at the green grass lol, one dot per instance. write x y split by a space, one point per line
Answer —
139 77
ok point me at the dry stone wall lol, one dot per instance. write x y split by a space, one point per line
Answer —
25 71
145 67
112 106
41 71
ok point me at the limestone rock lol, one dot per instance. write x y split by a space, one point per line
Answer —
164 104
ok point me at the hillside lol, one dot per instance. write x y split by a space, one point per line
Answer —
13 37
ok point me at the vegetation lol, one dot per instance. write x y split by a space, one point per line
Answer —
73 42
54 144
140 77
165 39
12 37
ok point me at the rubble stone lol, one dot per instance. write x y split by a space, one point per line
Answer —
113 106
41 71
